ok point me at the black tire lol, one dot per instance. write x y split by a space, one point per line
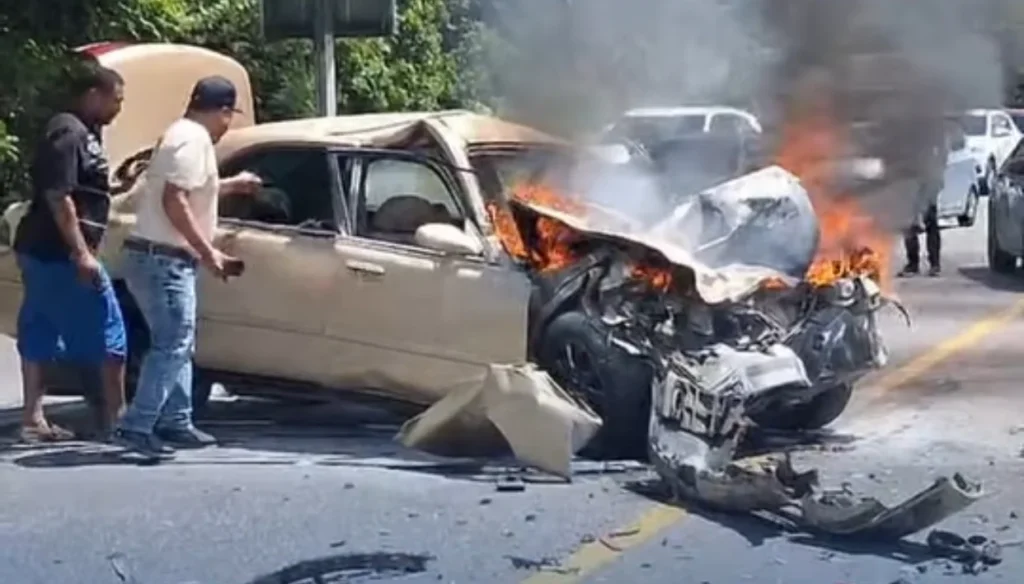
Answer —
617 385
999 261
813 415
138 344
971 212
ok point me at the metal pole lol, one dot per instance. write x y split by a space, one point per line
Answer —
323 49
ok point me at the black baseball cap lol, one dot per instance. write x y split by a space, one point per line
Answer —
214 92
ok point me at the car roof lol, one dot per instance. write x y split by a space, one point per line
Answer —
685 110
381 130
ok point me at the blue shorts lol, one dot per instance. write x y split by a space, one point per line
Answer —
62 318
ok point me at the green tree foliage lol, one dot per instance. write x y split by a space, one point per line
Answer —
416 70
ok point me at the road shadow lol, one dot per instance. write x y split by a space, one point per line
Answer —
269 432
1004 282
761 441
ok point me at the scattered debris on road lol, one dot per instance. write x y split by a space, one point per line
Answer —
546 564
975 552
119 564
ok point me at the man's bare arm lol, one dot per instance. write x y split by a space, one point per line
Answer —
66 218
175 203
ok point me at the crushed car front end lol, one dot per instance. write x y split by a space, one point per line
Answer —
718 331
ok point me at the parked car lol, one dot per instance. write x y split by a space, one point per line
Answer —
991 136
1006 214
390 255
958 200
649 126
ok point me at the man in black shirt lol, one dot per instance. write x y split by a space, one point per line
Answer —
69 308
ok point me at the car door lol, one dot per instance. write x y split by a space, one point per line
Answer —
10 275
958 178
270 320
413 321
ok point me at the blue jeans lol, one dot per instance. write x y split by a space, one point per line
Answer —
165 291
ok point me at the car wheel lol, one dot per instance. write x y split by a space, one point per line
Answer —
138 345
821 411
998 260
576 353
971 209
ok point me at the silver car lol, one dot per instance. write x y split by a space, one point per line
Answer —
1006 214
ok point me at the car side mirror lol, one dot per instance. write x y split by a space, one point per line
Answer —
447 238
1000 132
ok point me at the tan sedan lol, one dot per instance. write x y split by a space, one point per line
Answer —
371 262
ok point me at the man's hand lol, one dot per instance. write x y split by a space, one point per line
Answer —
89 269
215 260
245 183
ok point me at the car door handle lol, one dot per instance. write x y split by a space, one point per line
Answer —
365 267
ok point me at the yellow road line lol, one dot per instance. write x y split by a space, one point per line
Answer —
921 364
594 555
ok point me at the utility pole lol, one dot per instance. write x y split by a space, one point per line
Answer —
323 49
323 21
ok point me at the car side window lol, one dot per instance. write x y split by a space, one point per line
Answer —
399 195
297 189
726 124
1001 126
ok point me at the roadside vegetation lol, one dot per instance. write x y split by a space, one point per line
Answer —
449 54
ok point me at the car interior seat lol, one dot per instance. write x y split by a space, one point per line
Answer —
398 218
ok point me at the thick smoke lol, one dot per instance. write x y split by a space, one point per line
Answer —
898 66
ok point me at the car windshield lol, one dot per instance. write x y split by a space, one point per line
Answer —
499 171
974 125
654 129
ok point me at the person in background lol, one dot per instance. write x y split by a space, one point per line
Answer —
69 307
176 222
927 219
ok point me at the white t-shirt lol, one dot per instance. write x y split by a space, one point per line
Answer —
184 157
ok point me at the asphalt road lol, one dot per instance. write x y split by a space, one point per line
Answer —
295 488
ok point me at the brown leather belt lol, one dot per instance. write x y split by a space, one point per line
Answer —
156 248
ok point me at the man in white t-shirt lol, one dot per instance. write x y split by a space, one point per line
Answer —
175 225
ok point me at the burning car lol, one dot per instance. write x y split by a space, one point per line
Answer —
404 255
452 261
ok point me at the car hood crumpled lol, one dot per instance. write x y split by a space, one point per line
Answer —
733 237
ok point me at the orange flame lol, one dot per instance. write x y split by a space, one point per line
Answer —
852 243
555 243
